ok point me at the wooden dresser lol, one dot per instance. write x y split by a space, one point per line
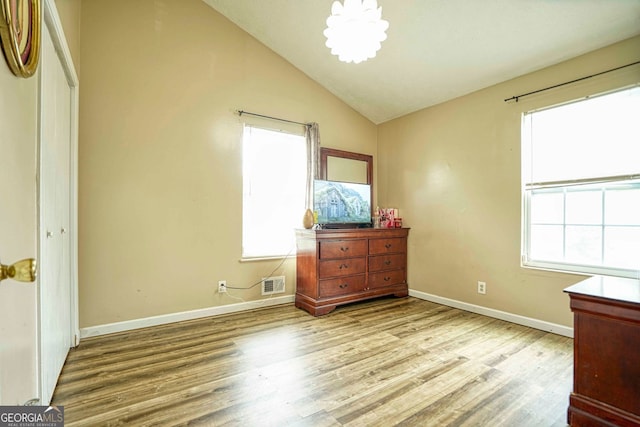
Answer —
340 266
606 354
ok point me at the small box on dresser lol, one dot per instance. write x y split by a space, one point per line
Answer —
339 266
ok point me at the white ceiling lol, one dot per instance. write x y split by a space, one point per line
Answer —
436 49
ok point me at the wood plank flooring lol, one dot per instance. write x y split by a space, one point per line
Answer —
385 362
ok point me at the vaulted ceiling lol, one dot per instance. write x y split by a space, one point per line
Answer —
436 50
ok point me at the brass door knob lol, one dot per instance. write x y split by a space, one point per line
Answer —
22 271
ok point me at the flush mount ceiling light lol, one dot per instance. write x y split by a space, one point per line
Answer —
354 31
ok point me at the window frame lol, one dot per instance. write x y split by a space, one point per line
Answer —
256 256
569 185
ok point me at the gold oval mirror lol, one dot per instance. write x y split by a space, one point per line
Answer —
20 35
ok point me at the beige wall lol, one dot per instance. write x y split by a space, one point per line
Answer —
69 12
453 170
160 153
160 166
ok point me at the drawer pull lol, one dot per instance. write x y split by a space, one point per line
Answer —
388 245
386 279
343 266
344 285
387 262
343 249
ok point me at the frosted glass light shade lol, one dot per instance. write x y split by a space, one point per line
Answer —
354 31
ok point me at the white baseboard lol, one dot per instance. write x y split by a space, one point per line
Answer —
129 325
502 315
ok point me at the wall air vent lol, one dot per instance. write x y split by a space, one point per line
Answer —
272 285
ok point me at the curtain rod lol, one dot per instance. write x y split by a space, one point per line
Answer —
240 112
517 97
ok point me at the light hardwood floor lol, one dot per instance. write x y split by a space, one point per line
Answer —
386 362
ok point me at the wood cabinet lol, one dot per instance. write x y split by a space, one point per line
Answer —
606 371
345 265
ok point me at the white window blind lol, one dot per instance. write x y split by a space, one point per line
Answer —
274 176
581 192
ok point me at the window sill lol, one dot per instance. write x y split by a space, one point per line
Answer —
266 258
582 270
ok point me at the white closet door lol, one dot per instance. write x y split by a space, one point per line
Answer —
55 268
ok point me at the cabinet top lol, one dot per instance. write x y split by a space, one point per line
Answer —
352 233
614 288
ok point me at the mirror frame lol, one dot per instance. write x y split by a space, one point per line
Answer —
332 152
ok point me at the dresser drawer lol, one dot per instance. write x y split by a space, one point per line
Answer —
343 249
387 262
387 246
342 286
342 267
387 278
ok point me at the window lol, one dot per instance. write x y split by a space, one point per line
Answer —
274 176
581 179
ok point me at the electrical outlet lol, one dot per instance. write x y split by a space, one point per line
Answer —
222 286
482 288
